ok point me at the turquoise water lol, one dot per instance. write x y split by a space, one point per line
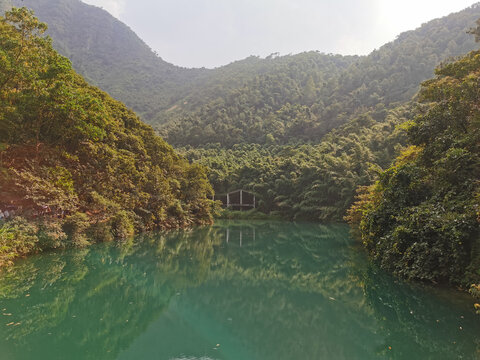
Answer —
236 291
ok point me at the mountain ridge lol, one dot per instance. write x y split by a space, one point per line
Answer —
163 93
392 74
108 53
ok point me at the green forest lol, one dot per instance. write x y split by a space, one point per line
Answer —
308 181
75 164
239 102
420 220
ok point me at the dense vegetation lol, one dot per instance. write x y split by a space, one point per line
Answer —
302 131
248 93
421 220
275 107
304 96
309 181
73 161
304 139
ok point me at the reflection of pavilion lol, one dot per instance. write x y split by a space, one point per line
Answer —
239 234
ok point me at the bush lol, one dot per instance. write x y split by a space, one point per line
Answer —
51 235
17 237
100 232
475 291
421 219
123 225
76 226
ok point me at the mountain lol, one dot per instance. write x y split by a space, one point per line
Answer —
276 106
302 131
326 90
75 164
109 54
278 99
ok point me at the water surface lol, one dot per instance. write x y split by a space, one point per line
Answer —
234 291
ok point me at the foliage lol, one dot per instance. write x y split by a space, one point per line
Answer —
475 31
302 97
17 237
420 220
110 55
309 181
77 157
475 291
123 224
307 131
271 107
76 225
266 124
303 132
278 98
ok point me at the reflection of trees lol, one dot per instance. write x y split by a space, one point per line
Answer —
420 320
99 300
304 257
299 291
287 291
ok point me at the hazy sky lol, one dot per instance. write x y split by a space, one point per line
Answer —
210 33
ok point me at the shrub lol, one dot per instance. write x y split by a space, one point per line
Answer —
17 237
123 224
76 226
51 235
100 232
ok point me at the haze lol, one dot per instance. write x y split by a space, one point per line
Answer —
211 33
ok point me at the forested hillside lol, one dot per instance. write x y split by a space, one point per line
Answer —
309 181
109 54
248 101
301 131
421 220
309 94
275 107
76 164
301 170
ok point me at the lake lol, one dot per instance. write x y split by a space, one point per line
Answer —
236 290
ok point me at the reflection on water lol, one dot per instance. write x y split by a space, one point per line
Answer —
236 290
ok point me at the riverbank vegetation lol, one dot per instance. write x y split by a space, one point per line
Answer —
421 219
253 214
73 161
